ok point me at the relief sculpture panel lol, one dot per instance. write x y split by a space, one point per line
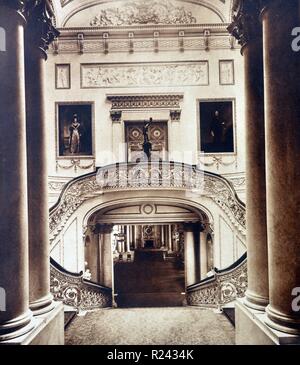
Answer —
144 75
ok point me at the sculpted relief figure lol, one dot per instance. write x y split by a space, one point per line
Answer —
145 75
144 12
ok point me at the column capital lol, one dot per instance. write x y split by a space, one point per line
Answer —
246 25
18 5
102 228
193 227
40 31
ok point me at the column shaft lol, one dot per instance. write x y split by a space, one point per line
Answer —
107 261
247 28
203 255
37 129
190 257
163 235
16 320
128 238
282 105
257 247
170 246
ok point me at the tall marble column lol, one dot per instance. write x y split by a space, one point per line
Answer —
282 105
190 254
16 320
38 35
203 254
128 238
135 232
170 239
247 29
107 259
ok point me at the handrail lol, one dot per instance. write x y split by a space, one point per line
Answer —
223 287
75 291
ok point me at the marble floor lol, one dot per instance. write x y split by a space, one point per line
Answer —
151 326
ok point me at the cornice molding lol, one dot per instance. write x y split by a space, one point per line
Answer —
125 102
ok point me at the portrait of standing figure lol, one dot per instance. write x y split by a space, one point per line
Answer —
74 129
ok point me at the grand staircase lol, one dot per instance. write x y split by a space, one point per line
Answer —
150 281
136 285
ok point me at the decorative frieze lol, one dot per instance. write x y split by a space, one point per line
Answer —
98 44
144 75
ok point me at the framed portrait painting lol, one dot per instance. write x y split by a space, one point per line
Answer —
74 129
217 126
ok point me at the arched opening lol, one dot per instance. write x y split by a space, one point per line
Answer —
148 252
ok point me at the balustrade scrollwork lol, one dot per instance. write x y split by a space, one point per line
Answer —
147 176
221 288
74 291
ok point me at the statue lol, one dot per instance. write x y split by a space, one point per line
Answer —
147 145
75 135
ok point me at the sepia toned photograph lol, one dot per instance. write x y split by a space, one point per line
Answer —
149 178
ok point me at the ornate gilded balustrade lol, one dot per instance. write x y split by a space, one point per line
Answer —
73 290
146 176
224 287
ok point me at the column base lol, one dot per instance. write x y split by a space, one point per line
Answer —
42 306
48 329
281 322
251 328
16 327
256 302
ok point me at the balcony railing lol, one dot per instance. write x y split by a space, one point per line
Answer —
147 176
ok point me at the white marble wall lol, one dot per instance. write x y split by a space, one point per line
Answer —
183 135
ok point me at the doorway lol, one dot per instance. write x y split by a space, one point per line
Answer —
149 266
